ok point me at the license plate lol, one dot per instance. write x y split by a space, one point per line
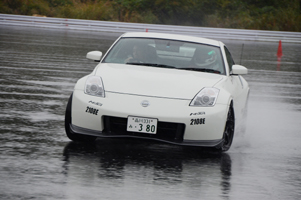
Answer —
142 125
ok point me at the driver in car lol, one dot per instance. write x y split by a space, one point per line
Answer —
138 55
204 59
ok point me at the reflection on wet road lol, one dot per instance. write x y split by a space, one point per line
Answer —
39 68
133 169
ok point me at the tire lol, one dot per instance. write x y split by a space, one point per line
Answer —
74 136
228 134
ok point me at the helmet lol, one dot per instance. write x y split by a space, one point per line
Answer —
203 58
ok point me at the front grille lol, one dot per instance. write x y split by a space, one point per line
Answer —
165 130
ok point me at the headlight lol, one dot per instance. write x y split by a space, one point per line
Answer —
206 97
94 86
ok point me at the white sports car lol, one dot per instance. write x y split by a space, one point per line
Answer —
177 89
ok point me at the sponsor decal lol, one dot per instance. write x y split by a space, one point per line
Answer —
198 113
92 110
198 121
95 103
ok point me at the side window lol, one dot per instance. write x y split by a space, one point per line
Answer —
229 59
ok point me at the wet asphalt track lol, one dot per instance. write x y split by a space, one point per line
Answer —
39 68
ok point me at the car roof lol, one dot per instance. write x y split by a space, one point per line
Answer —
173 37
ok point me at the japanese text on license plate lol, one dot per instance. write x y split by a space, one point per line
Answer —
141 124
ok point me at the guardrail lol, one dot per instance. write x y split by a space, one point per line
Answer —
121 27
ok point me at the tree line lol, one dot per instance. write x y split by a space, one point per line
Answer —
279 15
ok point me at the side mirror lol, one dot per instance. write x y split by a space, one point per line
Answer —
94 55
239 70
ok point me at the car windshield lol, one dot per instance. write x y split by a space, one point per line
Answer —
167 54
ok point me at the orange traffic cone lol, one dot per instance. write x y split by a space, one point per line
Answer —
279 52
279 55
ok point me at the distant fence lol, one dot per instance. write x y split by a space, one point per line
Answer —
121 27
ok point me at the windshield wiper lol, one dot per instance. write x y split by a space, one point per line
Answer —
201 69
150 64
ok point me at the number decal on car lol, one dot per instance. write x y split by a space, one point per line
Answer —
92 110
197 121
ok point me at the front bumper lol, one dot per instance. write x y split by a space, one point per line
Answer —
209 133
200 143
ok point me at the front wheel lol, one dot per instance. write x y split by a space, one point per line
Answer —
74 136
229 130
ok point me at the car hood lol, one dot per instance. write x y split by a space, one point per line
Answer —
154 81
